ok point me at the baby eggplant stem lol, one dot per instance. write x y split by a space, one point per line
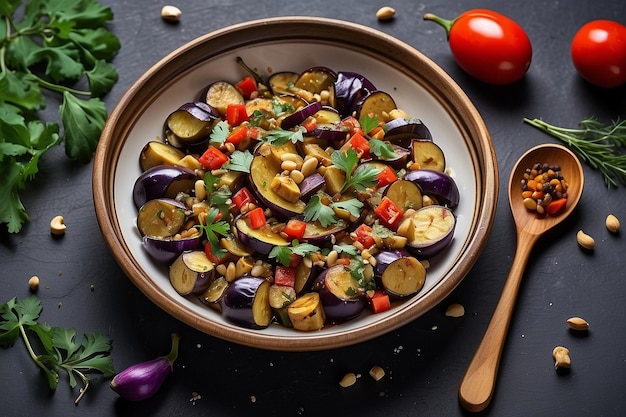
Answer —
142 380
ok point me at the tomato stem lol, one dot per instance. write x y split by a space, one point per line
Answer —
446 24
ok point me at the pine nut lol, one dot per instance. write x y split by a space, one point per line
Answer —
576 323
348 380
231 272
585 240
612 223
309 166
297 176
561 357
171 13
33 283
455 310
288 165
57 226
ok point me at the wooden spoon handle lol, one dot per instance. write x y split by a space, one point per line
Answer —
478 384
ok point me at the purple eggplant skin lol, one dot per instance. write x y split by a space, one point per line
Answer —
142 380
338 307
167 250
438 185
350 87
311 185
402 130
300 115
386 257
238 299
162 181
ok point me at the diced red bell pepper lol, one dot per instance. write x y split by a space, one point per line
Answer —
389 213
360 144
215 259
364 235
213 158
237 135
352 125
247 86
284 275
380 302
556 205
386 177
309 124
242 198
295 229
236 114
257 218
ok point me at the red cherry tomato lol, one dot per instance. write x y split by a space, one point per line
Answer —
487 45
599 53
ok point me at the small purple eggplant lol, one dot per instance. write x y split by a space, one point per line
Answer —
141 381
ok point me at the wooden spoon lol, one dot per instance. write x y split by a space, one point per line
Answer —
478 384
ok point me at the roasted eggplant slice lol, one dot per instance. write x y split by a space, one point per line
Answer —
246 302
306 313
263 169
162 181
161 218
428 231
220 94
340 293
191 272
406 194
166 250
316 80
283 82
438 185
192 122
213 295
428 155
403 130
400 273
158 153
377 104
262 240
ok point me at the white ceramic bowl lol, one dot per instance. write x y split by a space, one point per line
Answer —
418 86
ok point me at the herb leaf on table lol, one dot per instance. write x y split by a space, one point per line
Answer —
62 349
53 46
603 147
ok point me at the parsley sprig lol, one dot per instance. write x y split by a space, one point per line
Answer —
601 146
283 253
61 349
213 229
363 177
54 46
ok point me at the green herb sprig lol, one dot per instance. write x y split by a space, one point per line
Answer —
61 349
601 146
55 45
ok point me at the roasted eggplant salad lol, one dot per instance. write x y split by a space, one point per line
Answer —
303 199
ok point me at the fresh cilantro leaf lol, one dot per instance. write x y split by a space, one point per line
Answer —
352 205
212 229
239 161
281 107
360 178
279 137
62 350
382 149
349 249
83 121
218 197
283 253
368 123
315 210
256 118
50 45
382 231
220 132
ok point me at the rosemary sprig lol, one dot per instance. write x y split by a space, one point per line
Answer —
603 147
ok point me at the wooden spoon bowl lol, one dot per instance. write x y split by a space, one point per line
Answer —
478 384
